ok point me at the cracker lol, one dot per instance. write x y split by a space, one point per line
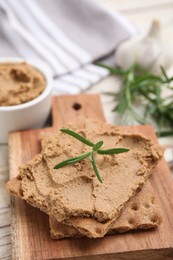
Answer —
141 212
39 189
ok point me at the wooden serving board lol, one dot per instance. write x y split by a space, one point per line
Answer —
30 229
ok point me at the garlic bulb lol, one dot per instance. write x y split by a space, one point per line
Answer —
145 50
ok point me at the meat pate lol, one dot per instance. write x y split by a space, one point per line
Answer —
19 83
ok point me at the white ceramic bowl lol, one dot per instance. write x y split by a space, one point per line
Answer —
32 114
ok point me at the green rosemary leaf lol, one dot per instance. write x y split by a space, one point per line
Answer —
144 90
91 157
97 146
169 80
77 136
121 107
113 151
72 160
109 93
164 133
147 78
164 73
113 70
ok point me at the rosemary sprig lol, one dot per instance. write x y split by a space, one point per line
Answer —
96 148
77 136
140 88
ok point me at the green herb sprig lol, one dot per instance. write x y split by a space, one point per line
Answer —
141 88
96 148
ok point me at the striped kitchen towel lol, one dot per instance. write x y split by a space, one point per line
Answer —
68 35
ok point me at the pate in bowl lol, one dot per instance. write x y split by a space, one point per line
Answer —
25 95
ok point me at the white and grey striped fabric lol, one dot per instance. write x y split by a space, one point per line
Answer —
68 35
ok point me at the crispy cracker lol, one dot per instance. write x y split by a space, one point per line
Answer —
33 168
141 212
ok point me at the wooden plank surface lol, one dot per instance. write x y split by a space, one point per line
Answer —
30 229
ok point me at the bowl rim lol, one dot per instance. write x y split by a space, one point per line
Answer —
46 73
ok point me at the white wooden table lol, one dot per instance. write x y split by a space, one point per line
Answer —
141 13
